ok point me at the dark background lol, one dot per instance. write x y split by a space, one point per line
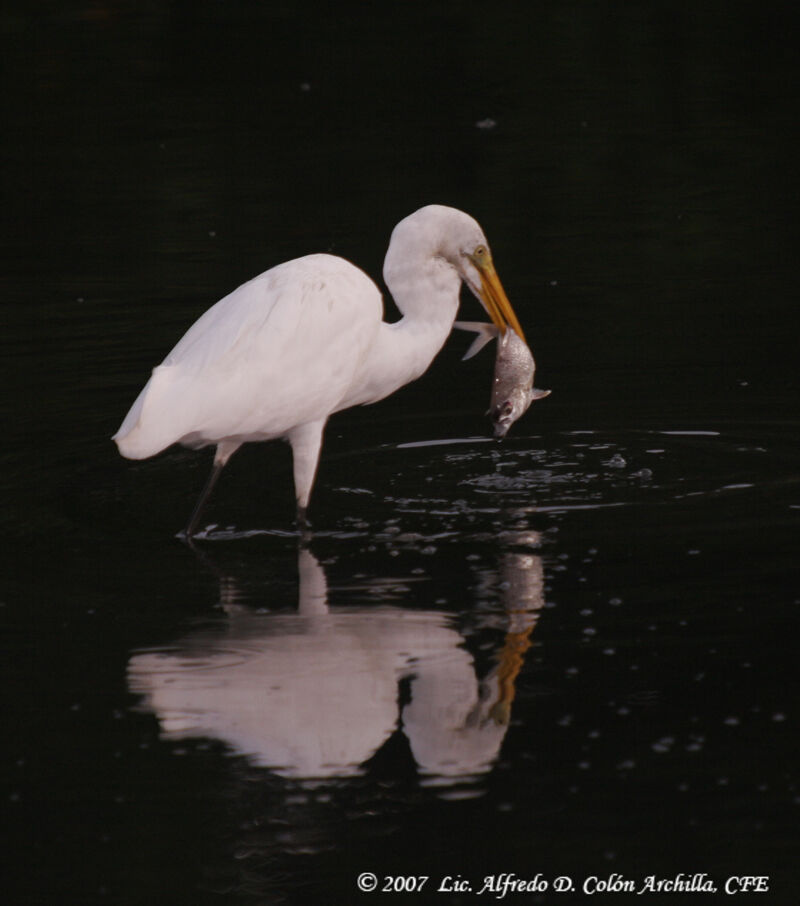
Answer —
635 168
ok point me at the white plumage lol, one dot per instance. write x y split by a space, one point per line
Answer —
305 339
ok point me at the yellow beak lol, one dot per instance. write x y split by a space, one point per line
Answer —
495 299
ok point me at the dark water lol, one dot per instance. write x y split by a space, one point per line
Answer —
569 654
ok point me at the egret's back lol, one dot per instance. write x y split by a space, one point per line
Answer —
279 351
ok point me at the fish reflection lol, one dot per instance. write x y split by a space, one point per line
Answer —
315 694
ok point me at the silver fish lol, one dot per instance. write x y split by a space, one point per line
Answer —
514 367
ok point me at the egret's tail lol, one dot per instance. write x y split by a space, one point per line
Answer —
142 433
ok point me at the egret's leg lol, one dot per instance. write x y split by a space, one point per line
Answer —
301 518
306 441
223 454
191 527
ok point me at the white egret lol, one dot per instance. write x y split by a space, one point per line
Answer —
305 339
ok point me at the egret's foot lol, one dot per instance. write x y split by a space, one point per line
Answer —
185 538
303 525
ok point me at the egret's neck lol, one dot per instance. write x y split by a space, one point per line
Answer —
427 296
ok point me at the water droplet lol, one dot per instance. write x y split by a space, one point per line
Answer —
664 744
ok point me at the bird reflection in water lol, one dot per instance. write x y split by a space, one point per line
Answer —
315 694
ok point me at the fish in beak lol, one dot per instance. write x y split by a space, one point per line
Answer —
514 369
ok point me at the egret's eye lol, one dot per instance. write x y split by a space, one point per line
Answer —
480 256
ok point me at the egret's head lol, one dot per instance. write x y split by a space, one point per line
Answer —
436 236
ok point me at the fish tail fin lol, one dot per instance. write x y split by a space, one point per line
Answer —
486 333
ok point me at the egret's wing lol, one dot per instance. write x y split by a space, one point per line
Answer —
277 352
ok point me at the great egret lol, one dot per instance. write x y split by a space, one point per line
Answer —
305 339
